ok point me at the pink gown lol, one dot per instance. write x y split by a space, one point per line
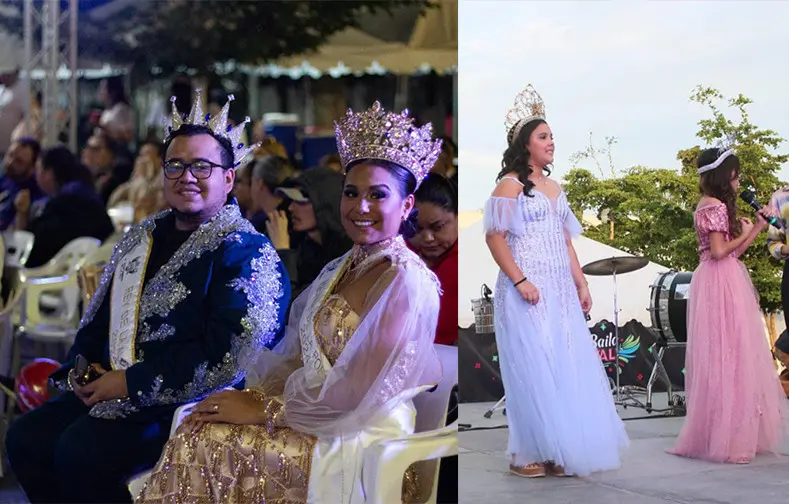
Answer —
736 406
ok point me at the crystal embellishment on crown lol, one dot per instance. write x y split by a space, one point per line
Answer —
528 107
378 134
217 124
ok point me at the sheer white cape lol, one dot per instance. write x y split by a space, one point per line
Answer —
390 352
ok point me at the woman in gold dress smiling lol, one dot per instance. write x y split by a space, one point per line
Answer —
359 347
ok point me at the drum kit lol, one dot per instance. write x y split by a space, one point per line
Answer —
668 303
668 313
612 267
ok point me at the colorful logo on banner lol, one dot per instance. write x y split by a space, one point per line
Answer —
606 347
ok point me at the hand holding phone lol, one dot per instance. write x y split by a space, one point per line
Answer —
84 372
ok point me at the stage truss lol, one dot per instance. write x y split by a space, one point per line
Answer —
53 55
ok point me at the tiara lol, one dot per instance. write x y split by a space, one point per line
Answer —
725 149
378 134
528 107
217 124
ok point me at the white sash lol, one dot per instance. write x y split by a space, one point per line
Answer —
125 303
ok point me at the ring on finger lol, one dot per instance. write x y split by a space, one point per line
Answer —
215 408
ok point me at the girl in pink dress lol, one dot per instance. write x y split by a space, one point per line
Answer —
736 406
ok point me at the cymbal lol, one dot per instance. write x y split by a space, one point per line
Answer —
620 265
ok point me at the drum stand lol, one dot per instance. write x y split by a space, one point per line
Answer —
499 405
624 395
676 402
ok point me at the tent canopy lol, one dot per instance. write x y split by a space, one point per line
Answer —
477 267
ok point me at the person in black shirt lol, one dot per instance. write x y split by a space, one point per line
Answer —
73 210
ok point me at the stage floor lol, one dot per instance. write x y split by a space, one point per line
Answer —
648 474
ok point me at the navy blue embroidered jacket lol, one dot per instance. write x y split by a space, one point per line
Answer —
222 295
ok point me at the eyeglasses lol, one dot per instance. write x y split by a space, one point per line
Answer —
200 169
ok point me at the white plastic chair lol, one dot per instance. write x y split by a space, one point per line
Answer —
18 245
47 310
386 461
91 271
122 216
56 280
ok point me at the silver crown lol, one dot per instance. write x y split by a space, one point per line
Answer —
217 124
528 107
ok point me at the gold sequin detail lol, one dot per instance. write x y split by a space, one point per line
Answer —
335 323
261 464
232 464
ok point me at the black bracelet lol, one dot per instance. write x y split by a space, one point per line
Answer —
519 282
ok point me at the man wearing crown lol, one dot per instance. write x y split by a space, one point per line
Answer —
187 297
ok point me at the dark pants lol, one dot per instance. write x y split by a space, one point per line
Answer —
60 454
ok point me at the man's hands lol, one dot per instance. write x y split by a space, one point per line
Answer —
111 385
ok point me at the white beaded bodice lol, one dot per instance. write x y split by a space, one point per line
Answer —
541 252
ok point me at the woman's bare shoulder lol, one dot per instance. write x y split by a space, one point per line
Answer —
508 187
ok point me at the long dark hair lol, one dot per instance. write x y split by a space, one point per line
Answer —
516 157
717 184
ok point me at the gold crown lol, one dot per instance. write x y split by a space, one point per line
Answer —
528 107
217 124
378 134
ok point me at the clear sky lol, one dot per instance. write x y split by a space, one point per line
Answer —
622 69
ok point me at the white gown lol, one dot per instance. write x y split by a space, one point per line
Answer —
559 402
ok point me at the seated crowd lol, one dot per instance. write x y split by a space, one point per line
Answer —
298 308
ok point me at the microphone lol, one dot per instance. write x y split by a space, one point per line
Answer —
750 198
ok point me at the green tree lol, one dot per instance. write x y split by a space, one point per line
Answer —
171 35
653 208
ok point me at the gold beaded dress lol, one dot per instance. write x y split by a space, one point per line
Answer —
356 376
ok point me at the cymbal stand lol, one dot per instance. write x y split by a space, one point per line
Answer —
621 398
499 405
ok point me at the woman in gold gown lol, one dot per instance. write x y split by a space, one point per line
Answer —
358 348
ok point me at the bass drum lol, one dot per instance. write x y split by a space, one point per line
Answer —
669 305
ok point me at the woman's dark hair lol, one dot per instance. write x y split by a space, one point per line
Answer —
406 185
439 191
189 130
115 90
516 157
717 183
64 166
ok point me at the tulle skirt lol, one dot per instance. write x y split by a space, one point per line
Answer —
559 402
736 406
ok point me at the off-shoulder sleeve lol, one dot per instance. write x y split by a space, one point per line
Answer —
572 227
503 215
712 219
